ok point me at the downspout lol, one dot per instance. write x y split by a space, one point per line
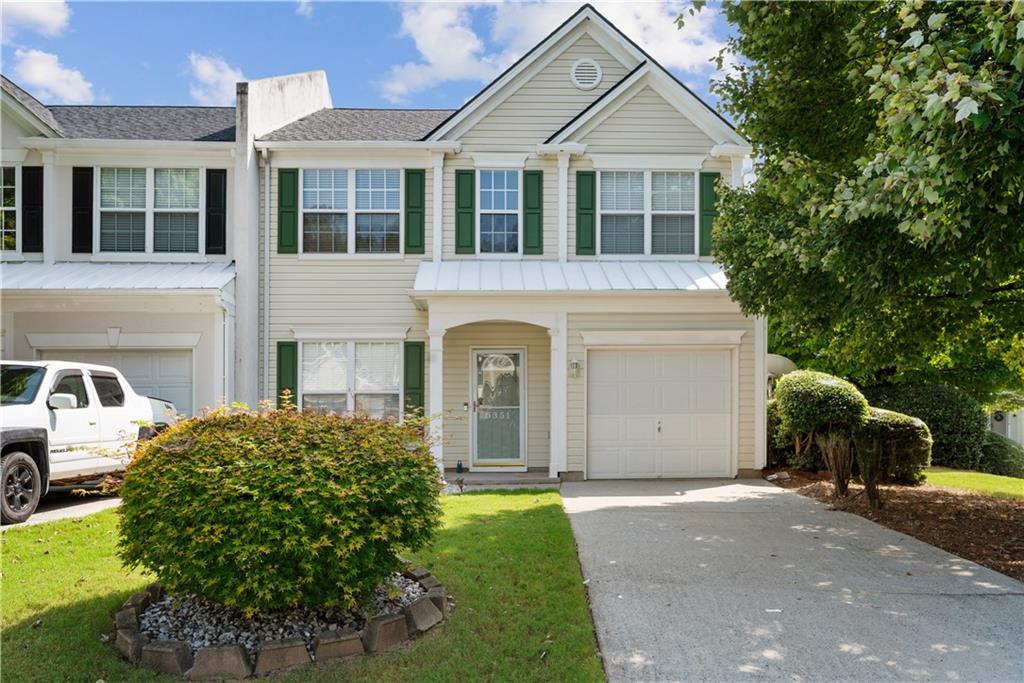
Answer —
266 274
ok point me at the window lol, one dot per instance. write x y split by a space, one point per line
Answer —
347 376
151 210
108 389
19 384
351 211
499 212
324 217
176 210
652 212
9 226
74 384
622 212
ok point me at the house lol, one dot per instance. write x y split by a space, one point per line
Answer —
532 269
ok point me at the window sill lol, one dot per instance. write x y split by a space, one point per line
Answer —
646 257
354 257
144 257
18 257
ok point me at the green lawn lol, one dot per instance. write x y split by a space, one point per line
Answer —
509 559
979 482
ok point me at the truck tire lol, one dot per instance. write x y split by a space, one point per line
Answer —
22 487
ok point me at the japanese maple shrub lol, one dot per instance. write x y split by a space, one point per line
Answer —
826 409
281 508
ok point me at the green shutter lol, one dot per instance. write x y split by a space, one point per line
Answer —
288 211
586 204
533 212
414 382
287 370
415 207
465 213
708 209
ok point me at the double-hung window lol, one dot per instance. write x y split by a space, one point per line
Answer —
499 211
648 213
176 210
123 209
9 225
151 210
351 211
352 376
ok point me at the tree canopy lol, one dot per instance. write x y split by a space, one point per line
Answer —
883 235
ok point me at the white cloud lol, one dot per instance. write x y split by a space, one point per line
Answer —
41 16
304 8
42 74
450 49
213 80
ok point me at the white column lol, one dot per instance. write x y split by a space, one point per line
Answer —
737 171
50 206
563 206
760 391
559 396
436 403
437 224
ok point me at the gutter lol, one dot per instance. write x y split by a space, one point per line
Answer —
400 145
266 273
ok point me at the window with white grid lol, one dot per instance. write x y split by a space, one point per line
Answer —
352 376
622 212
648 213
123 209
499 211
9 225
378 205
325 211
673 213
176 210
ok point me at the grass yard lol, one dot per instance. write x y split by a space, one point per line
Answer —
508 558
979 482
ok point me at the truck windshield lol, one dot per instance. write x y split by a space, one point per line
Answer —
19 384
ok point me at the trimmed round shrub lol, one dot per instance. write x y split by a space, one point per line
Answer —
904 442
269 510
1000 455
812 402
779 447
957 422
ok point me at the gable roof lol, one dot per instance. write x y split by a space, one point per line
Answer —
361 125
101 122
31 104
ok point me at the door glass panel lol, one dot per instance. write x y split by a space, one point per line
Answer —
498 415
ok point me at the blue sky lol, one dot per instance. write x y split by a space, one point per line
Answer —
375 54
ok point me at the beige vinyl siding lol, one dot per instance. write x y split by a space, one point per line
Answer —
458 342
463 161
545 103
579 322
338 292
646 124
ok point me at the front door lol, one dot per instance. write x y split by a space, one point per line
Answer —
498 432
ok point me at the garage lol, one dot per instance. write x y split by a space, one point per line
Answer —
659 413
163 373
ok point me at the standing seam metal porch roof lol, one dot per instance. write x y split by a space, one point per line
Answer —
88 276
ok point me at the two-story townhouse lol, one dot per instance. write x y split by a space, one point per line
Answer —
532 269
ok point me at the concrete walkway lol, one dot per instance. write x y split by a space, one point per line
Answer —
61 505
741 580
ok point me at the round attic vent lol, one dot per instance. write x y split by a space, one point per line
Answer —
585 74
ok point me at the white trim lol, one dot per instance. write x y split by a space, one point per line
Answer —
690 338
124 340
435 404
480 211
13 156
499 160
345 333
351 212
563 206
731 150
559 402
15 254
604 109
651 162
648 217
410 145
105 145
437 207
508 465
350 390
760 392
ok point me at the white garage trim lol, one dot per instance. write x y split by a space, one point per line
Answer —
114 340
679 338
641 340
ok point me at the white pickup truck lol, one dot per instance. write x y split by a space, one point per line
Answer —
66 424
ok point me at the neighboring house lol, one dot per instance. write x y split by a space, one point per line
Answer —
532 269
1008 423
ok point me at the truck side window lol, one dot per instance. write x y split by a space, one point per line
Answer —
109 390
73 383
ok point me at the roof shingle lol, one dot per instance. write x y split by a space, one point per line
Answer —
37 108
366 125
197 124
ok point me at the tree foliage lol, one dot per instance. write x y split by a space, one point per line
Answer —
883 234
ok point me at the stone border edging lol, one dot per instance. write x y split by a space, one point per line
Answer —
232 662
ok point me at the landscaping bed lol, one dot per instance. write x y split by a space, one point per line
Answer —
982 528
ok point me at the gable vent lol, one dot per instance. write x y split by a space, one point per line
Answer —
585 74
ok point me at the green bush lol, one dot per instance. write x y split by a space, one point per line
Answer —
282 508
1000 455
904 446
957 422
779 447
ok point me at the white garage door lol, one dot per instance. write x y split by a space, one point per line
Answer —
659 414
165 374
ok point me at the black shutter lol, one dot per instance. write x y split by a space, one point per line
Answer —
216 211
81 210
32 208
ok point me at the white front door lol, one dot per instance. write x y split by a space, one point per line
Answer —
659 413
498 408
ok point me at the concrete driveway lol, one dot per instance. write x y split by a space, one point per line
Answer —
741 580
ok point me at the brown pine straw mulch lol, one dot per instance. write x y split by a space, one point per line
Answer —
984 529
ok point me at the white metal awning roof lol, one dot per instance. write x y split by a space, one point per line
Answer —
86 276
464 277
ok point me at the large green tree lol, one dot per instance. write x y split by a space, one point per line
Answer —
883 236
